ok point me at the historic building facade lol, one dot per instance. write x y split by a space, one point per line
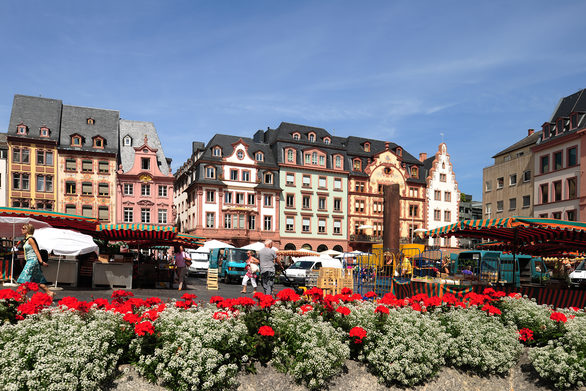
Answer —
144 179
442 196
3 170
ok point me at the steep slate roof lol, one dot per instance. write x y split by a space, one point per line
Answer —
225 142
572 103
529 140
36 112
74 121
137 130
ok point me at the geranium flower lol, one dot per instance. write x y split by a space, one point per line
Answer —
143 328
381 309
9 294
245 301
131 318
558 317
121 295
216 299
151 315
189 296
346 291
288 295
305 308
525 335
266 331
99 302
370 295
491 310
343 310
220 315
358 333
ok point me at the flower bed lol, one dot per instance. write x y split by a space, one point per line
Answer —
189 345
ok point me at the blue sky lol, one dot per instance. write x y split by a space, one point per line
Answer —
480 73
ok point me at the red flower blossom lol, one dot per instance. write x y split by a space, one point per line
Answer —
151 301
216 299
343 310
99 302
68 301
266 331
121 294
143 328
264 301
370 295
558 317
189 296
491 310
316 294
245 301
220 315
26 287
346 291
287 295
381 309
525 335
358 333
151 315
305 308
9 294
131 318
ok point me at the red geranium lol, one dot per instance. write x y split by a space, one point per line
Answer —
216 299
343 310
381 309
346 291
525 335
491 310
9 294
370 295
558 317
287 295
358 333
266 331
131 318
143 328
305 308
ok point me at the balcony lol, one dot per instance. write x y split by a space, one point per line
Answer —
366 239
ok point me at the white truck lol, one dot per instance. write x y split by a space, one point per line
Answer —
199 263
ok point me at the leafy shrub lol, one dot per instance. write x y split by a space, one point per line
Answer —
526 313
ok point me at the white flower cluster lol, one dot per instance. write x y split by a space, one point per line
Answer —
526 313
480 342
563 361
59 351
310 350
194 351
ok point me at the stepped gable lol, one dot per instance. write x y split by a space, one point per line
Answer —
36 112
89 123
136 130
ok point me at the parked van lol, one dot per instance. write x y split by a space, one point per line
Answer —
199 263
577 278
296 274
230 262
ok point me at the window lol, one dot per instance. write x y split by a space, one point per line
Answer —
526 201
572 156
251 222
442 177
437 215
544 161
359 187
526 176
228 197
128 215
321 203
210 220
413 210
210 172
327 140
21 129
337 227
311 137
145 190
414 172
337 184
557 160
76 141
145 215
544 191
366 147
103 213
127 141
44 158
296 136
290 201
499 206
306 181
217 151
289 223
240 154
356 165
44 132
162 216
307 158
448 196
447 215
322 160
21 155
571 185
512 203
305 224
87 211
571 215
306 202
290 178
513 180
573 120
437 195
323 182
162 191
227 221
556 215
488 209
44 183
210 196
20 181
268 223
70 188
314 158
233 175
259 157
103 167
246 176
359 206
70 165
268 178
98 142
268 200
87 166
70 209
337 204
128 189
500 182
251 199
488 186
338 162
145 163
321 226
103 189
86 188
290 156
557 191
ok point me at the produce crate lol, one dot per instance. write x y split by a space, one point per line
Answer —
212 281
311 279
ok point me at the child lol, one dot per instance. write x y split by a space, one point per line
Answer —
251 269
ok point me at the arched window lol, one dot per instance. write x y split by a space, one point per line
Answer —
290 156
91 121
366 147
217 151
21 129
259 157
414 172
296 136
357 165
44 131
311 137
327 140
127 141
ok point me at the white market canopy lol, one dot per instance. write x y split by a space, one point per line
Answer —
65 242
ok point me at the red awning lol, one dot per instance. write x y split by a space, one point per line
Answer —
55 219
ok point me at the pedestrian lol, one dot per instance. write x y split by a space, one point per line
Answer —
32 269
181 258
251 270
267 258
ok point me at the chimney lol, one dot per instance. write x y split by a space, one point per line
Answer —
422 156
530 132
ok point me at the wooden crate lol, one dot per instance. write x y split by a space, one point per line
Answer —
212 280
329 280
311 279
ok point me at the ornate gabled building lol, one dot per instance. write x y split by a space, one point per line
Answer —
185 189
442 195
313 182
144 180
86 164
33 136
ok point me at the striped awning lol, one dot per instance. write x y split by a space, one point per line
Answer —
55 219
134 232
189 240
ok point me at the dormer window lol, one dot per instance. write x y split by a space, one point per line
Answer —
414 172
268 178
357 164
259 157
21 129
311 137
98 142
44 131
290 156
574 121
338 161
296 136
91 121
399 151
127 141
546 129
366 147
76 141
327 140
560 125
217 151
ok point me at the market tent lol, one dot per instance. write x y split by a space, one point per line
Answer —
65 242
297 253
10 226
331 253
130 232
257 246
55 219
211 244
